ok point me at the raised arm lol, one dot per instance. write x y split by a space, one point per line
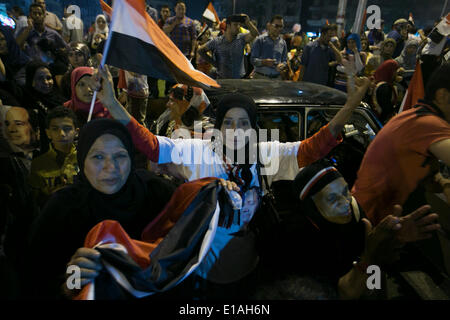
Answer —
320 144
145 141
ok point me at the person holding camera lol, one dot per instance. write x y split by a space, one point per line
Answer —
228 50
37 39
269 52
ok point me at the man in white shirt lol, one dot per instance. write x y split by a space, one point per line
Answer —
51 20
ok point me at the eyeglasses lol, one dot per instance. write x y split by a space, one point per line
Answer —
278 26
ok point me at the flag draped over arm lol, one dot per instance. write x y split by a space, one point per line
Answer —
137 44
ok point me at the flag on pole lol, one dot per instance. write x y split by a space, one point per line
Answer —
211 14
137 44
415 90
444 26
107 10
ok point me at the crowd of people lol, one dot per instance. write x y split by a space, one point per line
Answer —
61 175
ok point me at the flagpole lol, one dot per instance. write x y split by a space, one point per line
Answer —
443 9
102 63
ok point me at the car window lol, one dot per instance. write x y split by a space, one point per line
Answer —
287 123
358 127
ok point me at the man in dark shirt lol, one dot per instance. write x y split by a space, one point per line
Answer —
165 14
32 37
181 30
318 55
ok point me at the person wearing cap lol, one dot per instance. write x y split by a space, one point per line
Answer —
232 152
332 237
185 106
228 50
400 34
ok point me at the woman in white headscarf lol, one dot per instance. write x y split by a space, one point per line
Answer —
101 30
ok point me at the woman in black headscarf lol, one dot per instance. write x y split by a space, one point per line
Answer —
12 63
107 187
330 238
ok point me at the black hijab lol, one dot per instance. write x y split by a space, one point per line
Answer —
131 200
238 100
33 98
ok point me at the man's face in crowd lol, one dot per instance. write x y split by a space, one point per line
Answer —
37 14
165 13
41 3
334 202
234 28
61 132
18 127
43 81
326 37
3 44
275 28
180 10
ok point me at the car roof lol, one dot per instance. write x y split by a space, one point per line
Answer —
279 92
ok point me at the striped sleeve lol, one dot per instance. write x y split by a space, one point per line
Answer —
145 141
316 147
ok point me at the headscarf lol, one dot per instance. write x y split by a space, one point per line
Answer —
79 107
385 72
129 199
357 39
408 62
383 44
238 100
81 47
350 236
15 58
97 30
49 100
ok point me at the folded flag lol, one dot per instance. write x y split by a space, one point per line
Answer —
137 44
171 248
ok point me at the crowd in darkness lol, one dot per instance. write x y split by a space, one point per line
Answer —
61 175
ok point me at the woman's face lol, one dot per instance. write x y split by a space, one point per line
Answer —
83 90
334 202
43 81
235 119
101 23
107 164
3 44
411 50
351 43
18 127
76 58
364 45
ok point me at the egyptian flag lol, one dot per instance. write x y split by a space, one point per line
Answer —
416 90
211 14
137 44
171 247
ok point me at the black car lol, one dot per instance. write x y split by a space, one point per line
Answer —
300 109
